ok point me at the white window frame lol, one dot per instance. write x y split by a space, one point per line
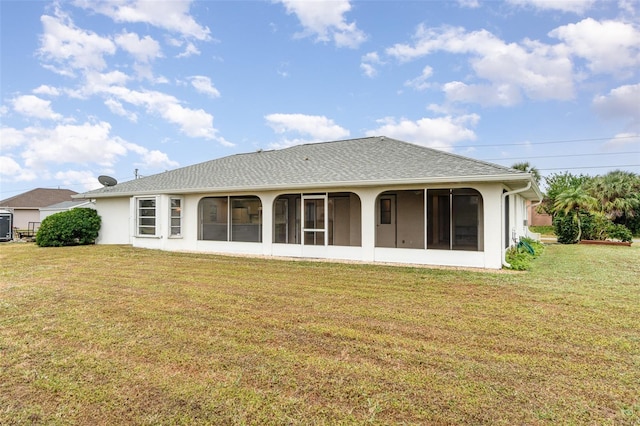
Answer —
139 217
325 228
171 217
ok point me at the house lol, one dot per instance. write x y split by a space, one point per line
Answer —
537 218
371 199
64 207
26 206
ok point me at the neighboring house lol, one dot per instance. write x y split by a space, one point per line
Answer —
64 207
536 218
26 206
372 199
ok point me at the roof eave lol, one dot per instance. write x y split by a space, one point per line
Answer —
534 192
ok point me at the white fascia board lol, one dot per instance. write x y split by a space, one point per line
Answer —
505 178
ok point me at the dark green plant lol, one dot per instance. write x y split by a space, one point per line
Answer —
521 255
615 231
74 227
595 227
565 228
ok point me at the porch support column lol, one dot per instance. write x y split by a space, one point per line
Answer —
267 223
368 203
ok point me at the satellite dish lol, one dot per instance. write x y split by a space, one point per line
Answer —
107 180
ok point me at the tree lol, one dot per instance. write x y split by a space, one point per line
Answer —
526 167
572 202
558 183
618 194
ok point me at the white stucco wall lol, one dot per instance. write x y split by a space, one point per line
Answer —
118 218
115 214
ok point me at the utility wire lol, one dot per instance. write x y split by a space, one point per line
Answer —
561 155
549 142
591 167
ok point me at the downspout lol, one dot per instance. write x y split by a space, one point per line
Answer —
533 206
503 222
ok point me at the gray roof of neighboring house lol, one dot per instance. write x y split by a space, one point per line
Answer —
65 205
354 162
39 197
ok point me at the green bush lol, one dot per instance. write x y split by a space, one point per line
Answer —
565 228
74 227
521 256
615 231
595 227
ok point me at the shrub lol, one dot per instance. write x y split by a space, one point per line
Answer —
615 231
74 227
595 227
565 228
521 256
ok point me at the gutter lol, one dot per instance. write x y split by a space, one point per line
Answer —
109 193
503 250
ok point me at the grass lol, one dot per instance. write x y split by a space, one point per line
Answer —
545 231
117 335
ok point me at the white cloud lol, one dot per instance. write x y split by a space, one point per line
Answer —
608 46
11 137
190 50
118 109
471 4
74 177
623 141
540 71
83 144
156 160
368 62
71 47
487 95
46 90
325 20
575 6
622 102
421 82
170 15
142 49
195 123
441 133
203 85
312 128
88 143
13 172
33 106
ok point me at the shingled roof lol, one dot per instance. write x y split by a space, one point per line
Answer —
355 162
39 197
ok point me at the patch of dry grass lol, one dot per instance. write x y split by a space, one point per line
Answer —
112 335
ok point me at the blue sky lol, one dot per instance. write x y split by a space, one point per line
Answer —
91 87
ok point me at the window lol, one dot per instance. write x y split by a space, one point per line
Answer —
385 211
175 217
231 219
455 219
146 216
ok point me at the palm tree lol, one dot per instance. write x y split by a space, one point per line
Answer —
618 193
574 200
526 167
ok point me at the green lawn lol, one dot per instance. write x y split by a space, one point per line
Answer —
116 335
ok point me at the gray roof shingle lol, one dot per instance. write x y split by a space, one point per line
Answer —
39 197
355 162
